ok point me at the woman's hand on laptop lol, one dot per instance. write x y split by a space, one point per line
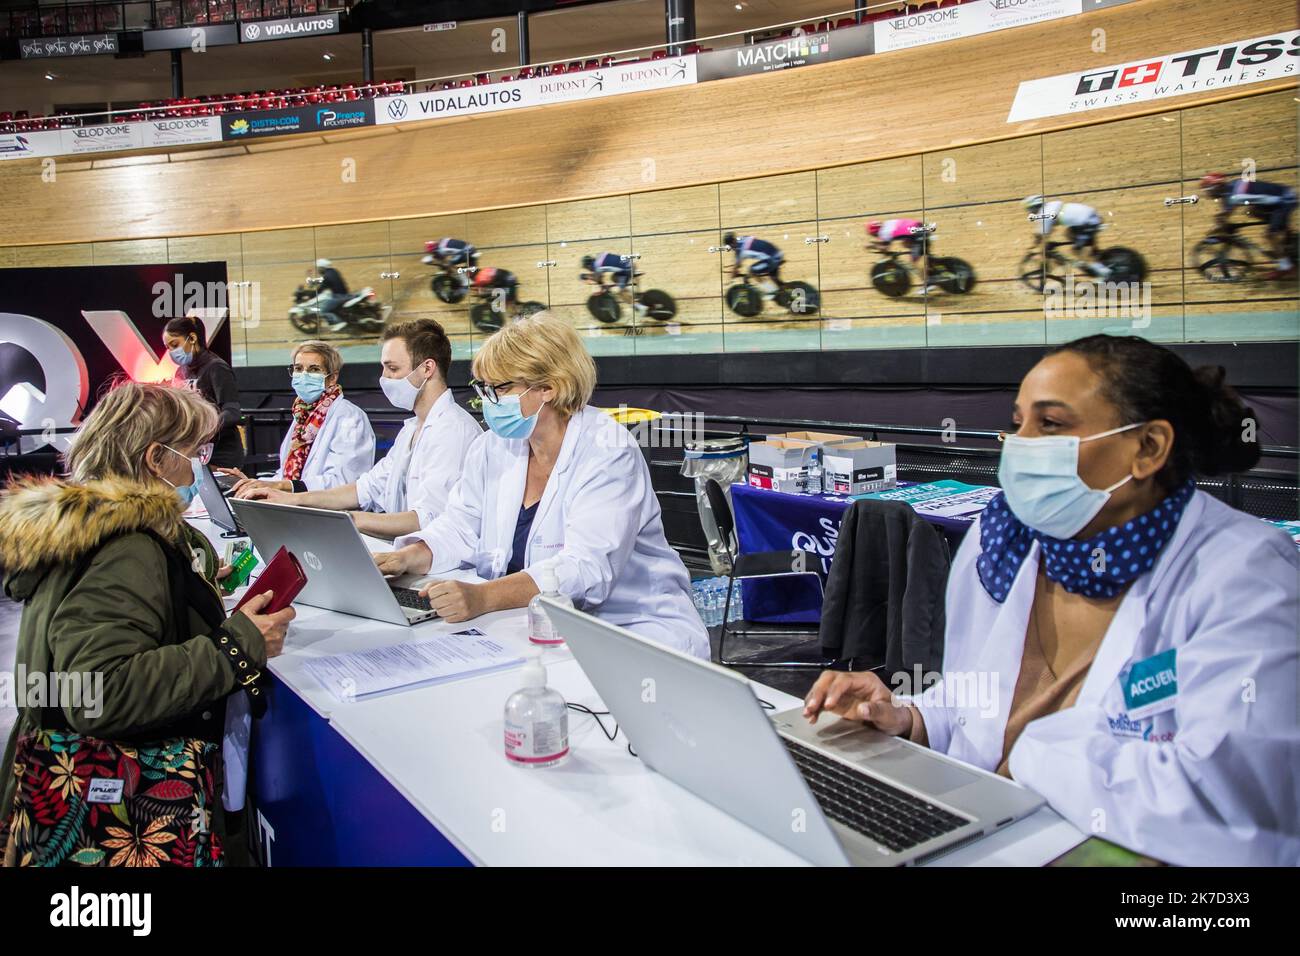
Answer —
857 695
455 601
261 491
245 487
413 559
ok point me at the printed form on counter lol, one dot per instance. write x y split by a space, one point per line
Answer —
360 674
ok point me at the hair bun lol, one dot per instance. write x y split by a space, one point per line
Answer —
1228 434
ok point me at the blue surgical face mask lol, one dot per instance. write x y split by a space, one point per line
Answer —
308 386
1040 479
187 493
180 356
507 419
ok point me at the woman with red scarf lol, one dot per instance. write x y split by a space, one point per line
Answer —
330 442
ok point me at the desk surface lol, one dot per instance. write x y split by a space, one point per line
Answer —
441 747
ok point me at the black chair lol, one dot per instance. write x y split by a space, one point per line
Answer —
763 564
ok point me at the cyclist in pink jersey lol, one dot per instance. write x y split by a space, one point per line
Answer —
915 235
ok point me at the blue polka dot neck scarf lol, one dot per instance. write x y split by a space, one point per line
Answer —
1101 566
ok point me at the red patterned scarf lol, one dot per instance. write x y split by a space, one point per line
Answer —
307 421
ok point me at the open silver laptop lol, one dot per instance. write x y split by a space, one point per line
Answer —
213 498
835 793
341 573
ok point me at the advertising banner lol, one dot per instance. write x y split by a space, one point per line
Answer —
104 138
538 91
181 131
88 45
190 38
1232 64
261 30
785 53
304 119
966 20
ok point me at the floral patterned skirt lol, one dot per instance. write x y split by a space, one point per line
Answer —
81 801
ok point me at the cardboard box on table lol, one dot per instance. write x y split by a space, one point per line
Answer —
859 467
781 464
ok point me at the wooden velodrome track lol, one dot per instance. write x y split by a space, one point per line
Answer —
799 154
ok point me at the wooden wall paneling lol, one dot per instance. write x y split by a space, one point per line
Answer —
277 261
681 265
589 220
565 285
875 190
524 225
991 172
1258 132
1124 153
689 209
8 257
750 204
845 270
130 252
69 254
412 293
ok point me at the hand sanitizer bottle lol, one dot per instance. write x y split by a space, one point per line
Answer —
540 630
537 720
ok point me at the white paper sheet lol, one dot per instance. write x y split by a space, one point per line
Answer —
363 673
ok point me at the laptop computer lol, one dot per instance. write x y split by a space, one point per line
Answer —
213 498
836 792
341 573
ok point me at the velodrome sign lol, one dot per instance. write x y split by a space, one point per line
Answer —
537 91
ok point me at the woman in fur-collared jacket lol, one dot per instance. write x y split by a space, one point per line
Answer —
117 587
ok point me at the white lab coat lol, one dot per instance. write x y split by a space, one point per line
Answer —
343 451
598 522
1211 779
420 469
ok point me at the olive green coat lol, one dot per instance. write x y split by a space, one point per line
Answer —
113 621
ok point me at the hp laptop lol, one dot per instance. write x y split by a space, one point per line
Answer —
341 574
213 497
836 793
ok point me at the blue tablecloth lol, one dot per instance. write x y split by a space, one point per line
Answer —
778 521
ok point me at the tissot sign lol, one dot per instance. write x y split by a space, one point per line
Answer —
1228 65
64 332
260 30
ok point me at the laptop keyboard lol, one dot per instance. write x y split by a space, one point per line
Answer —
410 597
892 817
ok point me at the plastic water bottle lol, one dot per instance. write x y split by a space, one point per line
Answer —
536 720
540 630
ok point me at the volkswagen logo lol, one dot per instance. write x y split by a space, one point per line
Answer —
397 108
252 31
313 562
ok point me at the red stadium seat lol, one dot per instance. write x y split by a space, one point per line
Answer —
575 66
849 22
591 65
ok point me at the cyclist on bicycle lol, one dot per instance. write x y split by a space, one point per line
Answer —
1270 202
609 270
757 258
1081 226
331 294
914 234
450 253
500 286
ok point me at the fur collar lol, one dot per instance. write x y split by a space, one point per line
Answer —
46 521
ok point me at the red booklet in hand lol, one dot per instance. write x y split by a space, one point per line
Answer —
284 575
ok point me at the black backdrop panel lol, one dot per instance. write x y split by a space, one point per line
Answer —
58 296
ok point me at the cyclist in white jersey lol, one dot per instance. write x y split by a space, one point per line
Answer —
1081 224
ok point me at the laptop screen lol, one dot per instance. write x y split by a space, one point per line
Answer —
213 500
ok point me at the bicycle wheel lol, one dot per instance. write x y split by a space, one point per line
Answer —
447 289
889 278
956 275
1222 259
604 307
1125 265
1035 273
744 300
659 305
801 298
304 321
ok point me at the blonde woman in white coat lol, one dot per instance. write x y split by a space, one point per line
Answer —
553 482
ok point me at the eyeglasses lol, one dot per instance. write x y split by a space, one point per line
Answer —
489 393
311 369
